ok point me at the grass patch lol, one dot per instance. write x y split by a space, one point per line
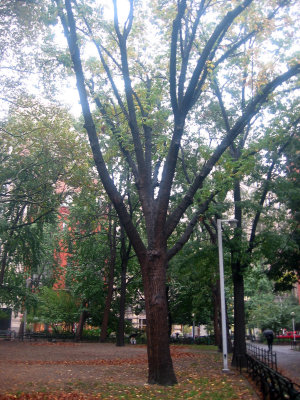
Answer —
200 347
191 388
200 388
204 347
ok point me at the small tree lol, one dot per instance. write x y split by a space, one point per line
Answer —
57 308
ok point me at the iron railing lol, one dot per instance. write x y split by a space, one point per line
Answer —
267 357
272 384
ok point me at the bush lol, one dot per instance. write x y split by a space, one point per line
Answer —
91 334
189 340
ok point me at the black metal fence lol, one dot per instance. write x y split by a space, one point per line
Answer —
262 367
34 336
7 334
272 385
267 357
295 345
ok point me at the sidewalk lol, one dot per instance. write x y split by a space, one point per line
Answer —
288 361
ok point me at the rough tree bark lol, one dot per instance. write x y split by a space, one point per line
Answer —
217 312
124 252
111 274
83 317
154 278
239 352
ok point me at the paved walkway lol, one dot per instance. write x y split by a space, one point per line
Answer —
288 361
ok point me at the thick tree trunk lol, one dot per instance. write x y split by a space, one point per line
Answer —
121 322
170 319
110 285
217 313
3 265
229 343
125 253
82 319
239 351
159 357
107 307
21 330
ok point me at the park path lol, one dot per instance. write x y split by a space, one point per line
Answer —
288 361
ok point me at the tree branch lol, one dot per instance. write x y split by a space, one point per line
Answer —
251 110
71 34
190 228
106 67
265 191
173 54
186 53
220 30
115 132
14 227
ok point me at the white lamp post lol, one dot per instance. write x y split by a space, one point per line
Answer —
222 291
293 321
193 332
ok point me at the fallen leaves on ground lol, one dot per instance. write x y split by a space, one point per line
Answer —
118 361
199 376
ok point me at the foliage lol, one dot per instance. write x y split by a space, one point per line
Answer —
88 252
39 159
192 277
285 267
21 30
273 312
265 308
58 308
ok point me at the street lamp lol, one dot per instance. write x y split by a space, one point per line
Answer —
222 291
193 315
293 321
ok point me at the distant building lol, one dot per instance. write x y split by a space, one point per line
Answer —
138 321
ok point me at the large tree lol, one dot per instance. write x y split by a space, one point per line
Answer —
152 114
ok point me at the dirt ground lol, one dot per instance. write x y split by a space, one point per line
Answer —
28 366
43 366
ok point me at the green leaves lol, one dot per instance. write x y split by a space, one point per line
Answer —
264 308
40 163
56 307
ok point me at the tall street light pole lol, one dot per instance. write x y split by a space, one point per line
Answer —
222 291
293 322
193 332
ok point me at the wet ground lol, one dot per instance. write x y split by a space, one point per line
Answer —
288 361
